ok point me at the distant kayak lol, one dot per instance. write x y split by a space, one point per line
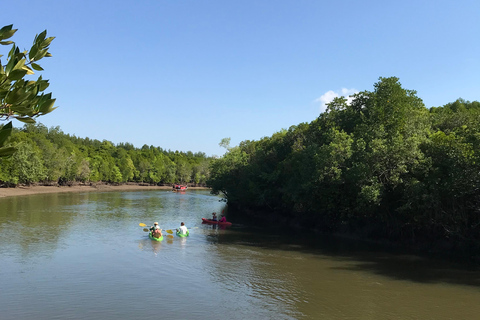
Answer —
179 187
183 235
153 238
210 221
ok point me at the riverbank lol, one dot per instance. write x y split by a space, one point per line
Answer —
36 189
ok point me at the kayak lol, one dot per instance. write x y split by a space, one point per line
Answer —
210 221
183 235
153 238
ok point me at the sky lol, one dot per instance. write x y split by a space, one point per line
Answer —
183 74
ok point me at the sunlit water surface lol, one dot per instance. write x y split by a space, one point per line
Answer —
84 256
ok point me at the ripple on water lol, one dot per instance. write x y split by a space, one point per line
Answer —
85 257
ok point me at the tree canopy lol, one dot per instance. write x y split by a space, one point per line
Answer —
383 165
49 156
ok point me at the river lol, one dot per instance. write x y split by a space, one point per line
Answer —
84 256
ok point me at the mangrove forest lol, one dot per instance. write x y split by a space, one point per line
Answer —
49 156
383 166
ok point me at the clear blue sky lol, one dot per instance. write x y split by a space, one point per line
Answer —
184 74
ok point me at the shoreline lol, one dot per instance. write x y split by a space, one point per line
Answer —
32 190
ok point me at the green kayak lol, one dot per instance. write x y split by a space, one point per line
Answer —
183 235
153 238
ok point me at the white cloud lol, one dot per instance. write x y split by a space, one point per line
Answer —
328 97
348 92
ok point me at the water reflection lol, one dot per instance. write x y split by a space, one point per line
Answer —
153 246
324 276
89 253
182 241
32 224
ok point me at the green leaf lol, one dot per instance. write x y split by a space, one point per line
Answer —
26 120
5 133
12 51
40 37
28 69
6 32
7 151
14 97
42 84
47 106
51 109
17 74
19 64
9 66
6 42
6 28
16 51
47 42
36 67
40 54
33 51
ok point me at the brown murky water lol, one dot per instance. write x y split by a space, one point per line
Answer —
83 256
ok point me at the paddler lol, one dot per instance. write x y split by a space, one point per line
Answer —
156 230
182 229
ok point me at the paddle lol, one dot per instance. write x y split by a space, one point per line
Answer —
144 225
168 235
147 230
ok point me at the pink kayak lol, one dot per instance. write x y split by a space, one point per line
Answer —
210 221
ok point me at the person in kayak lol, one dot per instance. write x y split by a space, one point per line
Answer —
214 216
223 219
156 230
182 229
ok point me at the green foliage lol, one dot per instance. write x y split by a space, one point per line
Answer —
21 98
225 143
64 159
383 164
5 132
28 166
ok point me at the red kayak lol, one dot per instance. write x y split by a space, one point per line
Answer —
210 221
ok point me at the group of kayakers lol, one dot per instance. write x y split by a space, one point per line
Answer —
182 230
222 219
157 231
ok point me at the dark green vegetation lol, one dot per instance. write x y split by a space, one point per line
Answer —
382 167
49 155
21 98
